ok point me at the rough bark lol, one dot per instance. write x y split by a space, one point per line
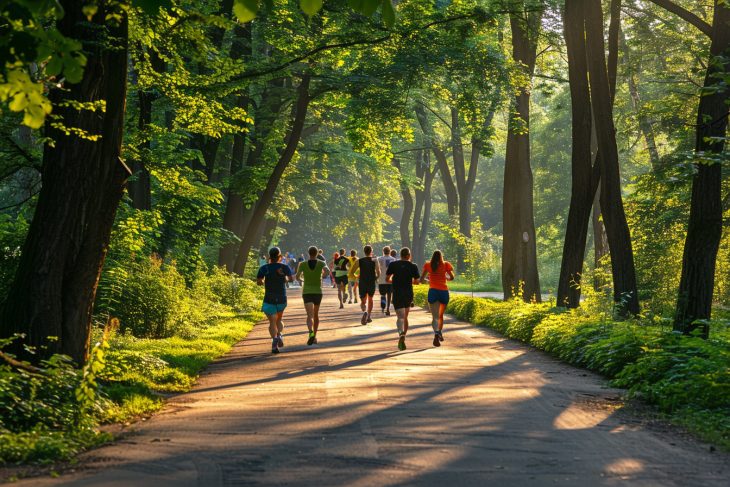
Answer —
252 232
619 239
407 214
423 202
53 292
582 184
704 231
519 252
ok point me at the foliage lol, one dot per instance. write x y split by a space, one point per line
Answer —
686 378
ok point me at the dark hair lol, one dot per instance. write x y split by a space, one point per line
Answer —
313 251
393 252
386 250
353 252
436 259
274 254
342 252
367 249
405 252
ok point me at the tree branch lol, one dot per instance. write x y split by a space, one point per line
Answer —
685 15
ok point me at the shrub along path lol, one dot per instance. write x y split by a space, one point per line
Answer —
480 410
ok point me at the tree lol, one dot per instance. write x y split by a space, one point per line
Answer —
83 181
704 232
519 252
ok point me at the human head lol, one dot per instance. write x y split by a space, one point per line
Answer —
436 259
386 250
320 252
313 251
405 253
336 256
274 254
342 252
353 253
393 253
367 250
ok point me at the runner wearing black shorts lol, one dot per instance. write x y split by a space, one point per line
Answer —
384 287
403 273
369 273
342 264
312 270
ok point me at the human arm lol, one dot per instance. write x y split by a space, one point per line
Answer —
300 271
450 276
424 274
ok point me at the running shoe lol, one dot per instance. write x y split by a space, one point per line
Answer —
364 319
441 336
355 300
280 340
436 341
370 320
342 305
387 313
312 338
402 342
275 346
344 298
349 302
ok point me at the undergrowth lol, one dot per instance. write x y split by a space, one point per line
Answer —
686 378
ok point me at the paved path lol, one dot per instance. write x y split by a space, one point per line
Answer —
480 410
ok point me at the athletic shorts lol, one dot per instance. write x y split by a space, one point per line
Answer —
312 298
366 288
353 281
438 295
272 309
385 288
402 300
341 279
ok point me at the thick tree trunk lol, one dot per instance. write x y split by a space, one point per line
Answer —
251 236
583 187
268 234
519 251
407 214
420 199
83 181
704 231
619 239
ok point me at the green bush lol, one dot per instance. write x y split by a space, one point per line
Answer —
685 377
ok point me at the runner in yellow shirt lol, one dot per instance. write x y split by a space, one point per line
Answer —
352 276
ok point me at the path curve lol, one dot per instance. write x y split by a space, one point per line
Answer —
480 410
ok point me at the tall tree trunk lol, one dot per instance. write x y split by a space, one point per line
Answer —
139 187
252 234
704 231
452 197
619 239
582 187
420 200
53 292
267 235
407 214
519 251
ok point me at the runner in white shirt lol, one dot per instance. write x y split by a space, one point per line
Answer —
384 287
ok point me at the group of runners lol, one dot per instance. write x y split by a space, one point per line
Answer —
356 277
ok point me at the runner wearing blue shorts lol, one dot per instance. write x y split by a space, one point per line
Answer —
439 271
274 277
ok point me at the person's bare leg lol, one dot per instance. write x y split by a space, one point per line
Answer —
272 325
354 291
434 308
388 299
399 313
406 311
442 310
370 305
310 315
340 294
315 318
364 318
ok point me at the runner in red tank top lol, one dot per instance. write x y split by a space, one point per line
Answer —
439 271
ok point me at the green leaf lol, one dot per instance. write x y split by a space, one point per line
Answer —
388 13
365 7
245 10
152 7
310 7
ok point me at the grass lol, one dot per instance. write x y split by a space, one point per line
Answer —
139 369
461 285
687 379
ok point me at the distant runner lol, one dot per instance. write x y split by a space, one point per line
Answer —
394 254
384 287
342 263
369 273
402 273
274 276
352 277
440 271
313 270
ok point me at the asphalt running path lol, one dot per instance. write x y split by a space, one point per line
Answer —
352 410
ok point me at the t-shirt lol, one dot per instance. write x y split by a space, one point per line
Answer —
403 272
383 262
351 274
367 271
437 278
341 266
311 271
274 276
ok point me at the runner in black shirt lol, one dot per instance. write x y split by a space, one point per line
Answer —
402 273
274 276
369 273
